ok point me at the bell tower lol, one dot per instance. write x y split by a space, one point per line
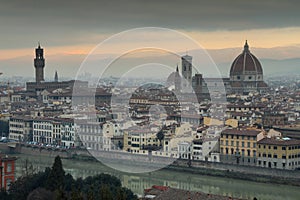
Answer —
186 62
39 64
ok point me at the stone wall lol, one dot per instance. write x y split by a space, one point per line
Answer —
249 170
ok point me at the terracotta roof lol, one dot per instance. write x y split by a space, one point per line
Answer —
246 62
280 142
245 132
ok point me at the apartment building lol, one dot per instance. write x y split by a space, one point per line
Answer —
279 153
20 128
240 145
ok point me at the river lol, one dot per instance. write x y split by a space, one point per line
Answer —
182 180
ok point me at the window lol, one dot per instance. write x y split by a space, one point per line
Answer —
248 144
9 167
275 156
283 148
275 147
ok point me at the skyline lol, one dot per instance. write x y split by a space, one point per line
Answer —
69 33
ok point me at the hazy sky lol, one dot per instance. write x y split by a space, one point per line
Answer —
75 27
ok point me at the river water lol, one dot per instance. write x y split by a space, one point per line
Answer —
182 180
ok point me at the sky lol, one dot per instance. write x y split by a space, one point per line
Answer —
68 30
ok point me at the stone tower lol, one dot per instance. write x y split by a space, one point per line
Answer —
186 62
39 64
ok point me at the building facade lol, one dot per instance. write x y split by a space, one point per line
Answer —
7 171
239 146
20 128
279 153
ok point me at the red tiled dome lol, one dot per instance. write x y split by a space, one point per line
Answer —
246 63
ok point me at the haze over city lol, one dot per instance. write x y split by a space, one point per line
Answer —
143 100
69 33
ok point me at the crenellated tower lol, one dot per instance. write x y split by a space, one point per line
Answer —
39 64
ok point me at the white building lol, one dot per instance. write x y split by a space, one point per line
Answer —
184 150
20 128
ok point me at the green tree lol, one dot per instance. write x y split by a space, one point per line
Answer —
21 188
4 195
160 136
56 177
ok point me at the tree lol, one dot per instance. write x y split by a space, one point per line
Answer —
22 187
57 175
4 194
160 136
55 184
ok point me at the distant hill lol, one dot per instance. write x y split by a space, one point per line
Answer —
277 60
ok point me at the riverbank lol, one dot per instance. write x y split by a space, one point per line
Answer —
180 179
257 174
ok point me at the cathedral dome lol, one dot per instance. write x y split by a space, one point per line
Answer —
246 64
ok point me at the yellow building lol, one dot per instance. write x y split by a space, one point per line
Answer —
239 145
138 141
279 153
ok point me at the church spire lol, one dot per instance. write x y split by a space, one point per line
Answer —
246 47
56 77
